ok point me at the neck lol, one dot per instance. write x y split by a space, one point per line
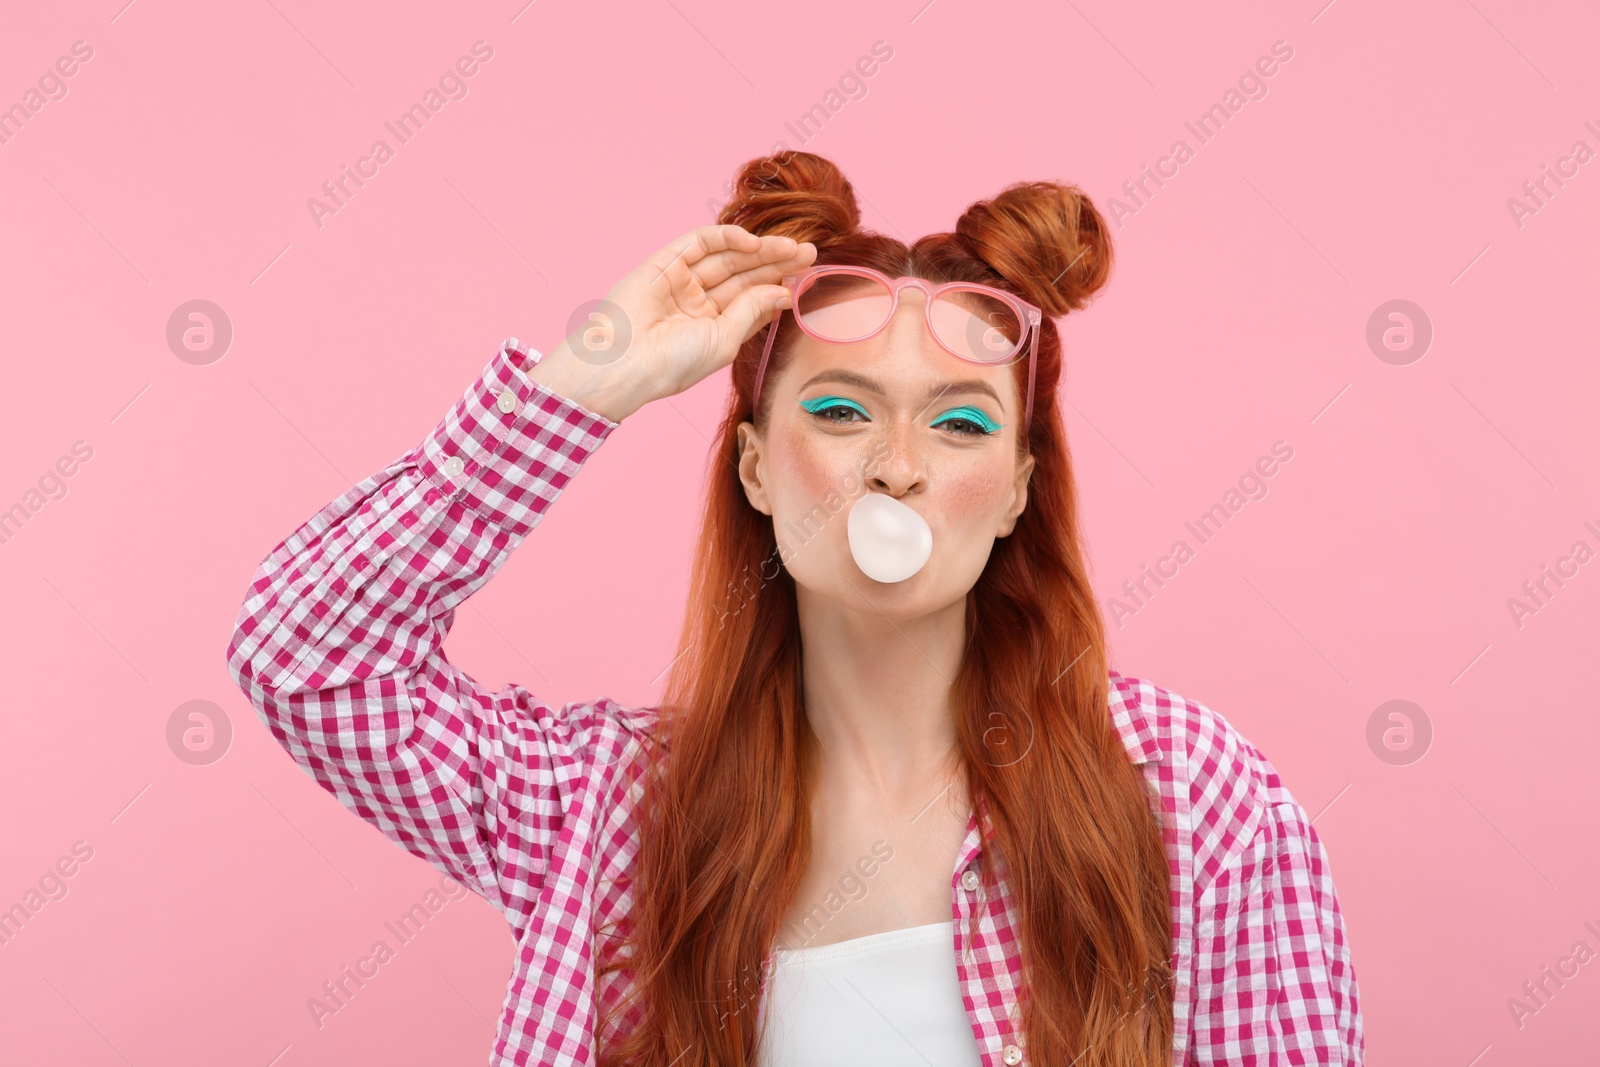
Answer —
877 695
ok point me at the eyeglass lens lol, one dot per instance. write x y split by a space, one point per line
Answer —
972 324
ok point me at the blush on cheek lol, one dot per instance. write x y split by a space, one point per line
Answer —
968 494
812 473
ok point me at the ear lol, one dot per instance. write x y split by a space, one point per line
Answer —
750 446
1019 496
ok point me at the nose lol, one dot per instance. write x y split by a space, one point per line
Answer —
895 465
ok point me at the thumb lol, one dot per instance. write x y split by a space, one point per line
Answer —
751 310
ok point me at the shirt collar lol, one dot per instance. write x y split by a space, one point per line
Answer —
1133 728
1127 715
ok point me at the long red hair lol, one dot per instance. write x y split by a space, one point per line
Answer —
724 812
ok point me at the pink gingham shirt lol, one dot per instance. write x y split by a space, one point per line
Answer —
339 647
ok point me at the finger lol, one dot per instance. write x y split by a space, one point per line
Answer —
693 293
758 271
670 272
750 310
717 267
701 241
723 295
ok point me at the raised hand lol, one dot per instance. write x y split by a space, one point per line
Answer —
687 310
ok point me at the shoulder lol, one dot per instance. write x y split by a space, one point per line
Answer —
599 742
1231 791
604 726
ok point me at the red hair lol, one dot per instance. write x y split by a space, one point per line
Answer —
725 815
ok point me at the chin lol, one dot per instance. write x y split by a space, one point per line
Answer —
924 593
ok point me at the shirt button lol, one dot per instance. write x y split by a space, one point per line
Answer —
969 882
453 466
507 402
1012 1055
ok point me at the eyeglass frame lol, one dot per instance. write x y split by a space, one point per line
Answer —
1030 316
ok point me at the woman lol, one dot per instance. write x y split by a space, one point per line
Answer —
910 817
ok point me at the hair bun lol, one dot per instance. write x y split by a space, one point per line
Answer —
1045 238
793 194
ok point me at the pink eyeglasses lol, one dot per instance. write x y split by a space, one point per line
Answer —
976 323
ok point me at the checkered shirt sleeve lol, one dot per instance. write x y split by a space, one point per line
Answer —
338 644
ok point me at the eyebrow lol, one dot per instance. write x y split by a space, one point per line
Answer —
861 381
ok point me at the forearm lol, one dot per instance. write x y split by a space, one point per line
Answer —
481 480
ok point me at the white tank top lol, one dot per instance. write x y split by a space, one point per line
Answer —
885 998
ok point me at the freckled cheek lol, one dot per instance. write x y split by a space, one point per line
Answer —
967 495
810 471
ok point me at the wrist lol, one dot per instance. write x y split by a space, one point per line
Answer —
595 388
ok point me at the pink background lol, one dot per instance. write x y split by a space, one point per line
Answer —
1418 500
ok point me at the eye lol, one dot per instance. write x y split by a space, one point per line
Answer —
827 408
968 421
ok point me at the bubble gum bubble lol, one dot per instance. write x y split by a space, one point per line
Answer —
889 541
